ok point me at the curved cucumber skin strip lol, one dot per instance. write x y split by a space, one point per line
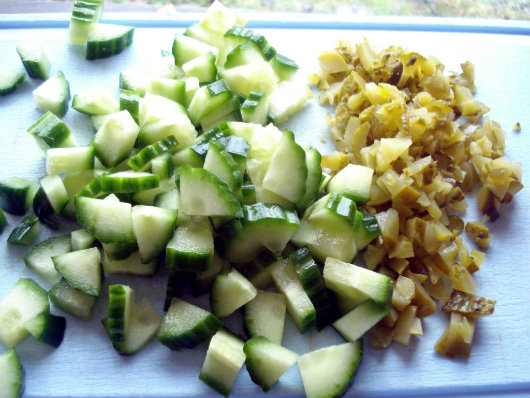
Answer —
105 40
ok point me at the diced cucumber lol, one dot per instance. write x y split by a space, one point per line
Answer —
353 181
240 129
177 281
244 54
26 231
248 193
119 251
3 220
10 81
39 258
299 304
130 265
210 37
265 316
177 125
208 99
105 40
84 14
186 48
257 76
44 210
220 163
62 160
230 291
267 361
172 89
258 270
55 191
98 121
288 99
115 140
134 79
81 239
224 359
130 102
148 196
239 35
95 101
203 280
329 371
203 68
25 301
194 155
362 318
284 67
191 87
11 374
73 301
219 18
168 200
162 166
107 221
16 195
129 182
255 108
53 95
191 248
186 325
81 269
366 229
204 194
314 177
154 108
47 328
153 228
121 300
142 159
357 282
51 132
35 59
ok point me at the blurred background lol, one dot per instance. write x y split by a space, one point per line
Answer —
490 9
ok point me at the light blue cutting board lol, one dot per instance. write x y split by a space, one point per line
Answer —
86 365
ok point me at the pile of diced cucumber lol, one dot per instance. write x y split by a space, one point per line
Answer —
184 170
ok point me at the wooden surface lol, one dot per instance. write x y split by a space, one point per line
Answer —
86 364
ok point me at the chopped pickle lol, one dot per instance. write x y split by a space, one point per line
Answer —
457 338
469 305
479 232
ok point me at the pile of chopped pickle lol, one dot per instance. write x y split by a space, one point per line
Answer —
424 134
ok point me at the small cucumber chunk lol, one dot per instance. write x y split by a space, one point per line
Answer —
81 269
73 301
130 265
361 319
39 258
288 99
16 195
51 132
353 181
65 160
265 316
81 239
35 59
95 101
105 40
26 231
48 328
11 374
230 291
53 95
10 81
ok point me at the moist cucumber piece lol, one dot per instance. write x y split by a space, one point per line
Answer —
81 239
366 229
186 48
219 18
105 40
11 374
240 129
16 195
357 282
142 159
287 156
107 221
175 125
63 160
3 220
313 283
73 301
94 187
361 319
35 59
168 200
53 95
84 13
47 328
26 231
39 258
353 181
121 299
134 79
95 101
288 98
172 89
99 120
55 191
51 132
81 269
314 177
208 99
263 226
228 112
154 108
329 371
240 35
266 361
248 193
129 182
192 247
154 228
230 291
44 210
131 265
326 178
194 155
220 163
299 304
243 54
75 182
119 251
191 87
25 301
162 166
224 359
284 67
204 194
10 81
177 281
257 76
203 68
130 102
255 107
265 316
203 280
186 325
258 270
115 140
147 197
210 37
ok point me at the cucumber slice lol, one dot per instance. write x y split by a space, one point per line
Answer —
203 280
26 231
121 299
258 270
81 239
81 269
230 291
289 98
219 18
62 160
107 221
186 325
353 181
35 59
53 95
11 374
191 248
130 102
172 89
153 228
95 101
366 229
284 67
84 13
267 361
257 76
239 35
244 54
220 163
134 79
39 258
191 87
314 178
119 251
115 140
55 191
25 301
255 107
3 220
98 121
142 159
44 210
154 108
10 81
187 48
204 194
203 68
329 371
361 319
299 304
162 166
51 132
356 282
105 40
209 99
130 265
148 196
128 182
16 195
73 301
265 316
224 359
168 200
47 328
178 126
